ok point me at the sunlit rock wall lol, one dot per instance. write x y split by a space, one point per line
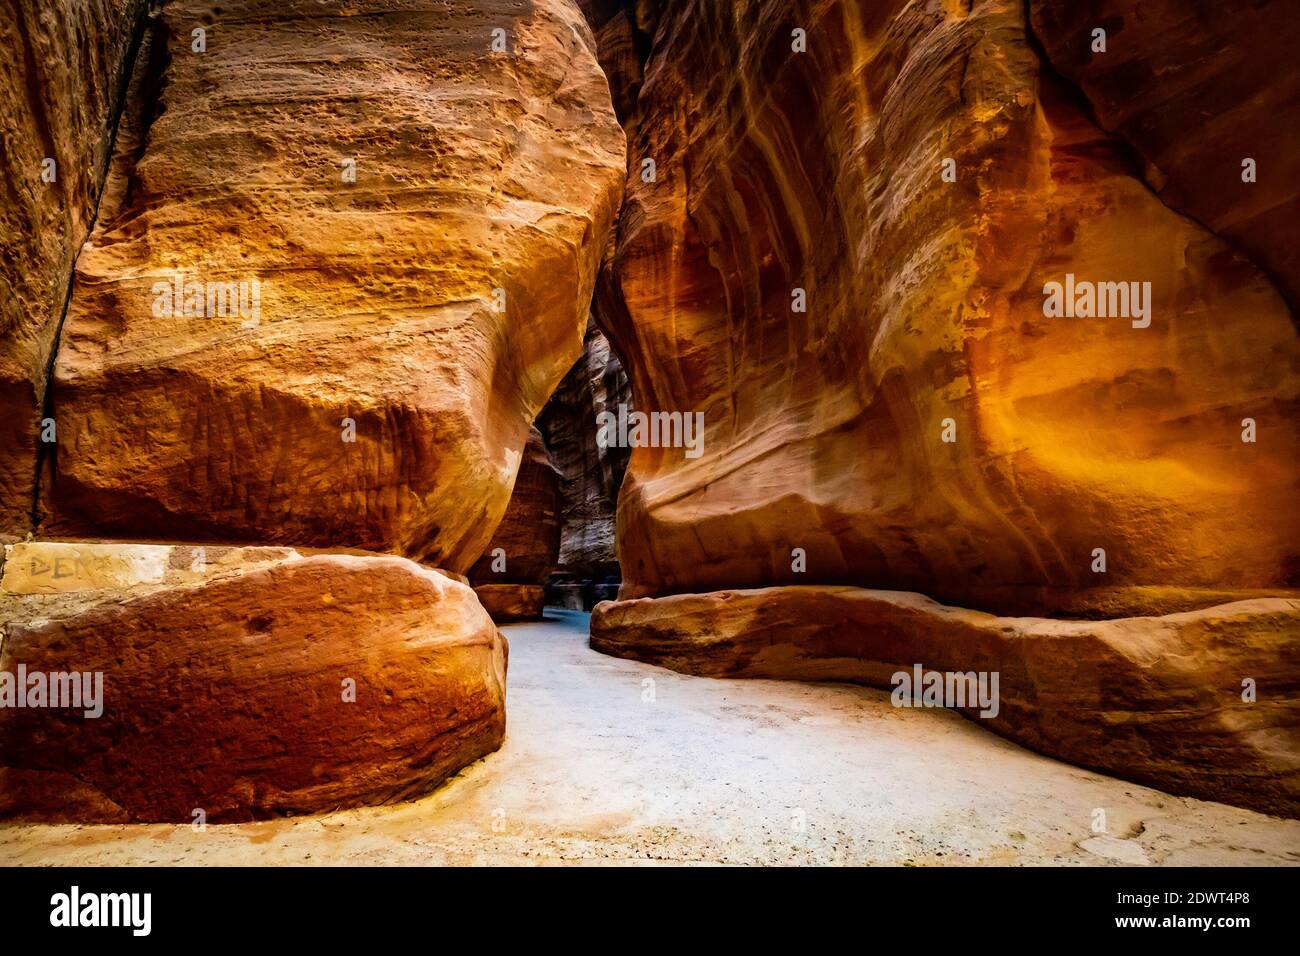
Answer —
405 206
923 425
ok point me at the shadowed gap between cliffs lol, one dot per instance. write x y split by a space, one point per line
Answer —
146 25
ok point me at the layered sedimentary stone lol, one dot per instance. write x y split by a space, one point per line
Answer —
523 549
1205 702
510 603
61 73
1207 94
590 471
624 31
240 682
394 212
886 403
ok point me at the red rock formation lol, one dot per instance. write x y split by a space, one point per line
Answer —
1197 89
1160 700
508 577
61 73
377 320
512 603
822 171
245 683
382 222
624 30
841 258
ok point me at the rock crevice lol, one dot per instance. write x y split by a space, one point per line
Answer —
66 69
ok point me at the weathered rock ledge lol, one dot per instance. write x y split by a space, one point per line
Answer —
1157 700
511 603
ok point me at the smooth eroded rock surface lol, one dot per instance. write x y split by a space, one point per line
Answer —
785 179
62 66
1198 89
1158 700
510 603
590 473
243 682
367 355
525 545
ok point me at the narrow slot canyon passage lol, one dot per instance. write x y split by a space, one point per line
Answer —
715 771
541 431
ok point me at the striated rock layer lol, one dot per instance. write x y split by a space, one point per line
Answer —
786 179
1197 89
590 474
367 355
1160 700
523 550
839 255
624 33
242 682
62 67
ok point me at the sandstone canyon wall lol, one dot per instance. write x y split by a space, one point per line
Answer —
1197 90
556 544
62 70
510 576
410 324
624 32
840 257
590 472
822 171
344 254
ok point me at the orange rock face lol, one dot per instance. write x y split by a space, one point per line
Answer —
338 331
524 547
867 340
62 68
245 683
1206 94
624 31
848 242
511 603
1204 702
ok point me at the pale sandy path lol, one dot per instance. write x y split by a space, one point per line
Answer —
717 772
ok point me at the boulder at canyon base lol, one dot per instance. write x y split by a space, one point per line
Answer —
242 682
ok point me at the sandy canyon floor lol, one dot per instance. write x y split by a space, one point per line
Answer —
612 760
